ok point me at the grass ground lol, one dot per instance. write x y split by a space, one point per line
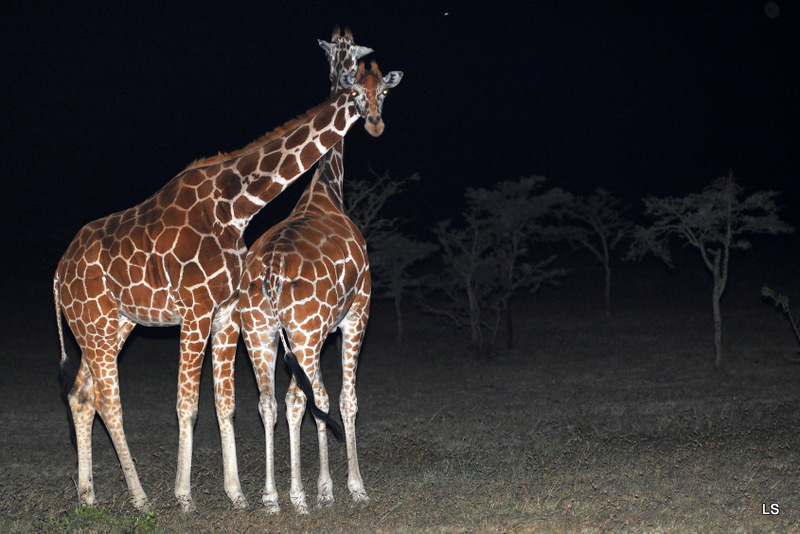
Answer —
587 425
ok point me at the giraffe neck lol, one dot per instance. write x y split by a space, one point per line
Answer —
246 180
326 190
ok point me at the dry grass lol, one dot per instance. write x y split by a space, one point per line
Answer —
586 426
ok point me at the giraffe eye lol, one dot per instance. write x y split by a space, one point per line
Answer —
385 91
354 93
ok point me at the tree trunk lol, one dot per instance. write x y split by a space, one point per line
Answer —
474 318
398 315
717 295
608 288
509 327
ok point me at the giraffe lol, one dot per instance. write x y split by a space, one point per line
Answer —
308 276
176 259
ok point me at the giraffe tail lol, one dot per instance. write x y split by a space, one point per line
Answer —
68 371
305 385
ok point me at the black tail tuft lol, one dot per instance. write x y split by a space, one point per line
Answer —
305 384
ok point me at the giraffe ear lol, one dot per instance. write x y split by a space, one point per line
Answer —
393 78
328 47
362 51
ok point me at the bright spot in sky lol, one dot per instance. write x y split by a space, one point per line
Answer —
772 10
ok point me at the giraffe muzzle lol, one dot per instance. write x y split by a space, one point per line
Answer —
374 125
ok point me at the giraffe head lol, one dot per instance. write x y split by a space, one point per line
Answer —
368 92
343 55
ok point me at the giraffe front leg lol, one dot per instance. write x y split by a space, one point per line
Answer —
187 415
193 344
224 357
352 336
225 404
349 407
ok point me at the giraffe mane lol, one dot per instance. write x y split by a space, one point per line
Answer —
261 141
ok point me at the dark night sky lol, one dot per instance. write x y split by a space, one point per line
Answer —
104 104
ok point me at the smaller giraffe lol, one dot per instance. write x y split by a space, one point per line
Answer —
308 276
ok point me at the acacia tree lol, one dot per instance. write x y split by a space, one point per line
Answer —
391 252
490 258
365 199
467 261
391 262
595 223
714 222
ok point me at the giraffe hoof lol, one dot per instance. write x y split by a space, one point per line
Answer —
272 508
299 503
141 504
360 498
270 501
301 507
324 501
186 503
88 499
240 503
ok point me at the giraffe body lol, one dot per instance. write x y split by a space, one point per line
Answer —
308 276
177 258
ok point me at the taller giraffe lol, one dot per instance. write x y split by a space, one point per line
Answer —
307 276
176 258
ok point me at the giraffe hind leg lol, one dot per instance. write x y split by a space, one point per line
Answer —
261 338
110 411
305 385
82 411
295 408
87 398
95 389
108 405
316 391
